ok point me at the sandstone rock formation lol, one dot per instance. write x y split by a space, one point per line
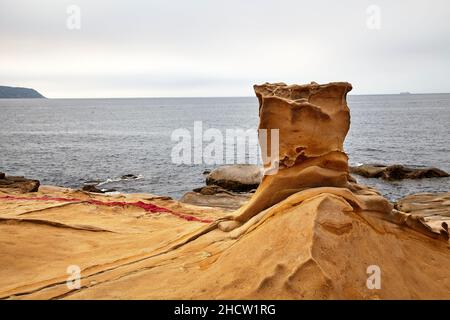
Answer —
240 178
18 184
426 212
316 244
313 121
307 233
397 172
217 196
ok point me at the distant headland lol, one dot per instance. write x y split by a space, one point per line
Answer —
18 93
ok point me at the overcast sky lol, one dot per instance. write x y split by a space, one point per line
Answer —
221 48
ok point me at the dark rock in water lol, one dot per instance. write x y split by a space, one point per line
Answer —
94 189
18 183
397 172
128 177
240 177
91 188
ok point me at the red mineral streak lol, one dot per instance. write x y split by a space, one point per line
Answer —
148 207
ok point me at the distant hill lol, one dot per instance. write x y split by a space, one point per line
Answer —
18 93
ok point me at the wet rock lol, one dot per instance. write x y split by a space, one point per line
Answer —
129 176
18 183
240 177
91 188
397 172
94 189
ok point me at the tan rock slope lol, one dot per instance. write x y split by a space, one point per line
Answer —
307 233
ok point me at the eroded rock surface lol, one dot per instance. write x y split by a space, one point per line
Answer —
426 212
214 196
316 244
313 121
307 233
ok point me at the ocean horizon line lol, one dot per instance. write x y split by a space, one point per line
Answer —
219 97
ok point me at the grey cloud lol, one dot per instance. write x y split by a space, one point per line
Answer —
162 47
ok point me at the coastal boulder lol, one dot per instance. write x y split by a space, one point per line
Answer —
239 178
397 172
18 183
94 189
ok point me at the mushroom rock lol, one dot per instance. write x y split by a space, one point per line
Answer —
313 121
307 233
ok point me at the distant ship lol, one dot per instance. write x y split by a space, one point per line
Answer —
405 92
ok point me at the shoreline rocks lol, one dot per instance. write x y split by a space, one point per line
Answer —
227 187
397 172
426 212
231 186
307 232
216 196
239 177
18 183
94 189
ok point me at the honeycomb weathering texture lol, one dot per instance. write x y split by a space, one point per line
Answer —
313 121
307 232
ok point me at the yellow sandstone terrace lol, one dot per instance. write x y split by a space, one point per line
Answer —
308 232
